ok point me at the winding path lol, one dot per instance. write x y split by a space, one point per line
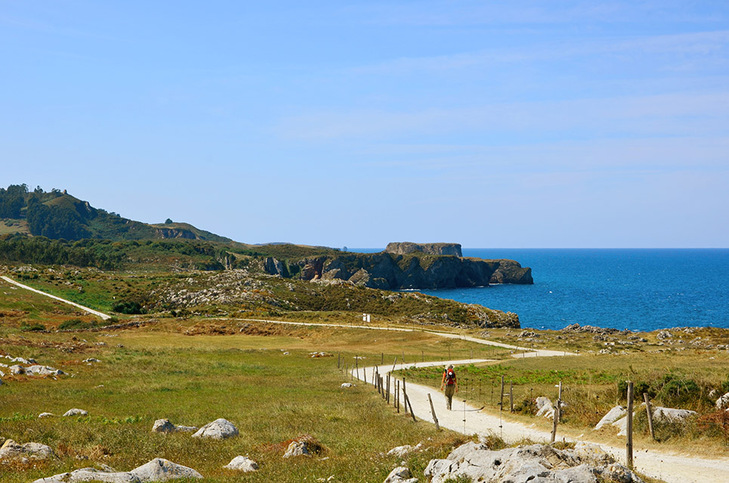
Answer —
85 309
464 418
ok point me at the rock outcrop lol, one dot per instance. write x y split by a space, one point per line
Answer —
414 270
404 248
158 469
584 463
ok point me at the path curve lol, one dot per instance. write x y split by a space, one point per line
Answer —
86 309
671 468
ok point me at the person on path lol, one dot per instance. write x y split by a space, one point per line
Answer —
450 384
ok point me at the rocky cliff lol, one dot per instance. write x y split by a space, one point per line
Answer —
404 248
415 270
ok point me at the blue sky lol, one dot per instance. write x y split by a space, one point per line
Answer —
489 123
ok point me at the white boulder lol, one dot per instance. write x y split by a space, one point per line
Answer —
90 474
218 429
297 448
535 463
723 402
613 415
34 451
545 408
45 415
160 469
401 474
672 415
76 412
242 463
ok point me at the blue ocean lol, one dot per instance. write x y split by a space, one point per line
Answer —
636 289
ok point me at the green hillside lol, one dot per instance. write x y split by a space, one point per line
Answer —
59 215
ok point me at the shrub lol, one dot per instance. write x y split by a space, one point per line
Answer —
128 307
36 327
76 324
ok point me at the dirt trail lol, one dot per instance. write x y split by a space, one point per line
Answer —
86 309
669 467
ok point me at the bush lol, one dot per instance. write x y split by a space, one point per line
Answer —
128 307
36 327
76 324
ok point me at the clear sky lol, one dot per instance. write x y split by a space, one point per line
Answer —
355 123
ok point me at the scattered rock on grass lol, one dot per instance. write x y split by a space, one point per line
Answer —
156 470
672 415
297 448
34 451
218 429
45 415
165 426
76 412
347 384
613 415
242 463
401 474
723 401
536 462
545 408
160 469
402 451
90 474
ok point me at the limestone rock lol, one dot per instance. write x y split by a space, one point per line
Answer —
17 370
76 412
90 474
34 451
160 469
38 370
242 463
528 463
613 415
45 415
218 429
672 415
163 426
347 384
402 451
401 474
723 402
545 408
297 448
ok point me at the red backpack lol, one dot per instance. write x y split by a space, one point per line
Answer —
450 377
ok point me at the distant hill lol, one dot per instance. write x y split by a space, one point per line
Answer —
59 215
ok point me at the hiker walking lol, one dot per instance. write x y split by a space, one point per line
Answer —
450 384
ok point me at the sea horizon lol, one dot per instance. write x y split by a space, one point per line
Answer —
638 289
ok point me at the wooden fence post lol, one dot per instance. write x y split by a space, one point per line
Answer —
650 415
407 400
404 396
432 410
339 360
511 397
394 364
501 397
388 388
397 395
629 440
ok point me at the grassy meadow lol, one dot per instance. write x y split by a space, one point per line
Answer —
264 381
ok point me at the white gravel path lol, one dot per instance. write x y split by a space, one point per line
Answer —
85 309
672 468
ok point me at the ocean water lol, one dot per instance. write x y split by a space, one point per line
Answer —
636 289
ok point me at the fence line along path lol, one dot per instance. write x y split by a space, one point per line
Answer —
663 465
